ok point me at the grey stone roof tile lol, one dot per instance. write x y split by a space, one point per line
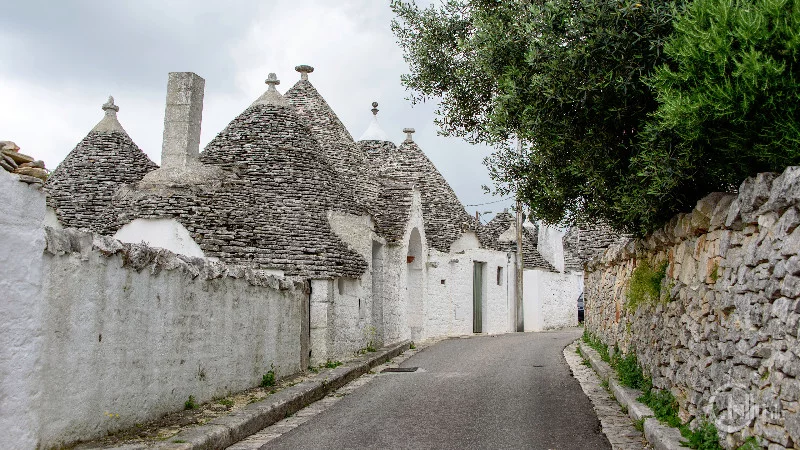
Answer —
271 212
443 214
82 186
393 210
347 158
531 258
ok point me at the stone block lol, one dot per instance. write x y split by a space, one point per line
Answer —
733 219
790 286
792 424
774 433
791 244
787 223
785 190
182 119
719 213
754 192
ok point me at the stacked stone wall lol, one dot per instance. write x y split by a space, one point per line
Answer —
725 325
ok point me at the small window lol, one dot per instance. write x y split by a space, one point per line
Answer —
340 283
499 276
442 281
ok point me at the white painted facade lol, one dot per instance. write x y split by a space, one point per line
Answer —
168 234
137 345
90 345
551 245
22 212
550 299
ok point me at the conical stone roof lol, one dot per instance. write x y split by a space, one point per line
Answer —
82 186
286 188
444 216
347 158
500 224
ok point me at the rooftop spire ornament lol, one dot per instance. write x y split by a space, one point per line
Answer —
304 70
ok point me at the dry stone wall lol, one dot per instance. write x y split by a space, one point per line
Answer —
723 334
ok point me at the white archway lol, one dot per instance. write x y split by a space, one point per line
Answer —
415 282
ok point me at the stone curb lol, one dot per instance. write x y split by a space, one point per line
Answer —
227 430
661 436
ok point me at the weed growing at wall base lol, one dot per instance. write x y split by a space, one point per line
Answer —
661 401
663 404
703 437
596 344
191 403
268 379
629 372
331 364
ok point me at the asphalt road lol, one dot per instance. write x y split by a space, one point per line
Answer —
511 391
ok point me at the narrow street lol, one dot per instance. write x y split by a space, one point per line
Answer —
510 391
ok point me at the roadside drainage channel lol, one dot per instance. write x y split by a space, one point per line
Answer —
660 436
227 430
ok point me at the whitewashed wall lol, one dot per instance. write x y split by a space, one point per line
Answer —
551 299
450 303
346 313
132 332
163 233
98 335
395 306
551 245
22 211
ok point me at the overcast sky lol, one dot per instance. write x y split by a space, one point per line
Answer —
60 61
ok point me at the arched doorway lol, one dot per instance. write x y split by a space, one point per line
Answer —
415 264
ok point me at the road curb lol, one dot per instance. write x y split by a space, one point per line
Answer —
661 436
227 430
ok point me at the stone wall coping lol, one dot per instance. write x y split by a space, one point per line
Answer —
758 195
71 241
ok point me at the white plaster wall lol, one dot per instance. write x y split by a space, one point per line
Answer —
551 245
450 305
551 299
51 219
319 312
136 345
395 306
22 211
353 318
498 299
162 233
466 241
341 319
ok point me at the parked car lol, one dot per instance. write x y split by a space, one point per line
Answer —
580 309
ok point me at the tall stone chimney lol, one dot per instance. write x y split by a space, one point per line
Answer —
180 149
182 118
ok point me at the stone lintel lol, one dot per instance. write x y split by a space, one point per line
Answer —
182 118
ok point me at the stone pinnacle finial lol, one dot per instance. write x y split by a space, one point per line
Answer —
304 70
375 108
110 106
272 80
409 132
109 122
